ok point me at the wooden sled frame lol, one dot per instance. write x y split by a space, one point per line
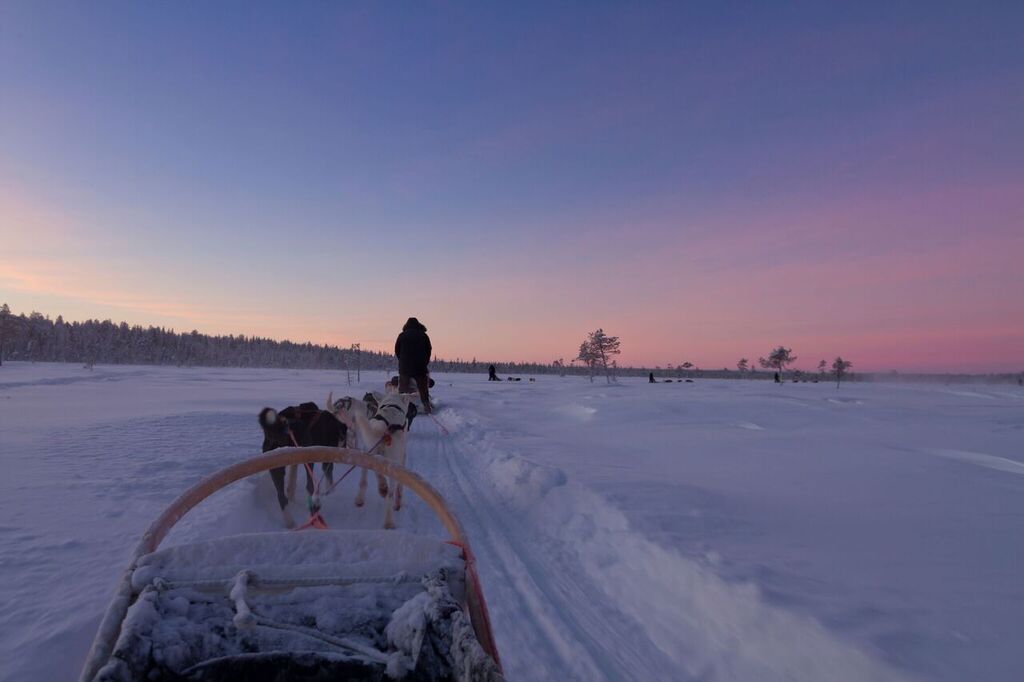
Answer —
110 627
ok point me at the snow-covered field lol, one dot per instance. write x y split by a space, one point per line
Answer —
716 531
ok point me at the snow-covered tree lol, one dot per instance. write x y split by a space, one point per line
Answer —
357 349
606 347
840 367
778 359
598 351
5 314
589 357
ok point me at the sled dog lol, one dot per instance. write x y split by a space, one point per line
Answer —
381 423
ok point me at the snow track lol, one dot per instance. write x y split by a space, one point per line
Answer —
535 583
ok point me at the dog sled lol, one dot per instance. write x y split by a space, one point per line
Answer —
310 605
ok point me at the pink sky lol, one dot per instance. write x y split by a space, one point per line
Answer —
950 302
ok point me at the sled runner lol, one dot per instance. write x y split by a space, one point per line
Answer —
310 605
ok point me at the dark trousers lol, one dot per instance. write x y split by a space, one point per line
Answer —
422 384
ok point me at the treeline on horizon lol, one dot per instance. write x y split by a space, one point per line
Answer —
37 338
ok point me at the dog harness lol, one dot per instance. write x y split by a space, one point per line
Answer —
390 412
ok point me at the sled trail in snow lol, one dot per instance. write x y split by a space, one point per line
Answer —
541 601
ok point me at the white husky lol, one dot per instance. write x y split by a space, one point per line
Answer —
383 429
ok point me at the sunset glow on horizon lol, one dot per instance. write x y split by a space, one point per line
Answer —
705 184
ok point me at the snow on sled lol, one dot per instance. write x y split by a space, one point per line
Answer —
309 605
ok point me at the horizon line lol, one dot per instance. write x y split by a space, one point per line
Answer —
645 368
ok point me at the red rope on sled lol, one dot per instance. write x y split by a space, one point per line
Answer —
335 484
439 424
316 520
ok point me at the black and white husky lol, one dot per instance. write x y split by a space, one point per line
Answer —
379 423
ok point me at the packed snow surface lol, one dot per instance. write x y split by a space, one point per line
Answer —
715 530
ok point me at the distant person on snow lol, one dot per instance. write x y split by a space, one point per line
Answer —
492 373
778 379
412 348
650 378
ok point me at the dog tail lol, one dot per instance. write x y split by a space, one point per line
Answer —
268 416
